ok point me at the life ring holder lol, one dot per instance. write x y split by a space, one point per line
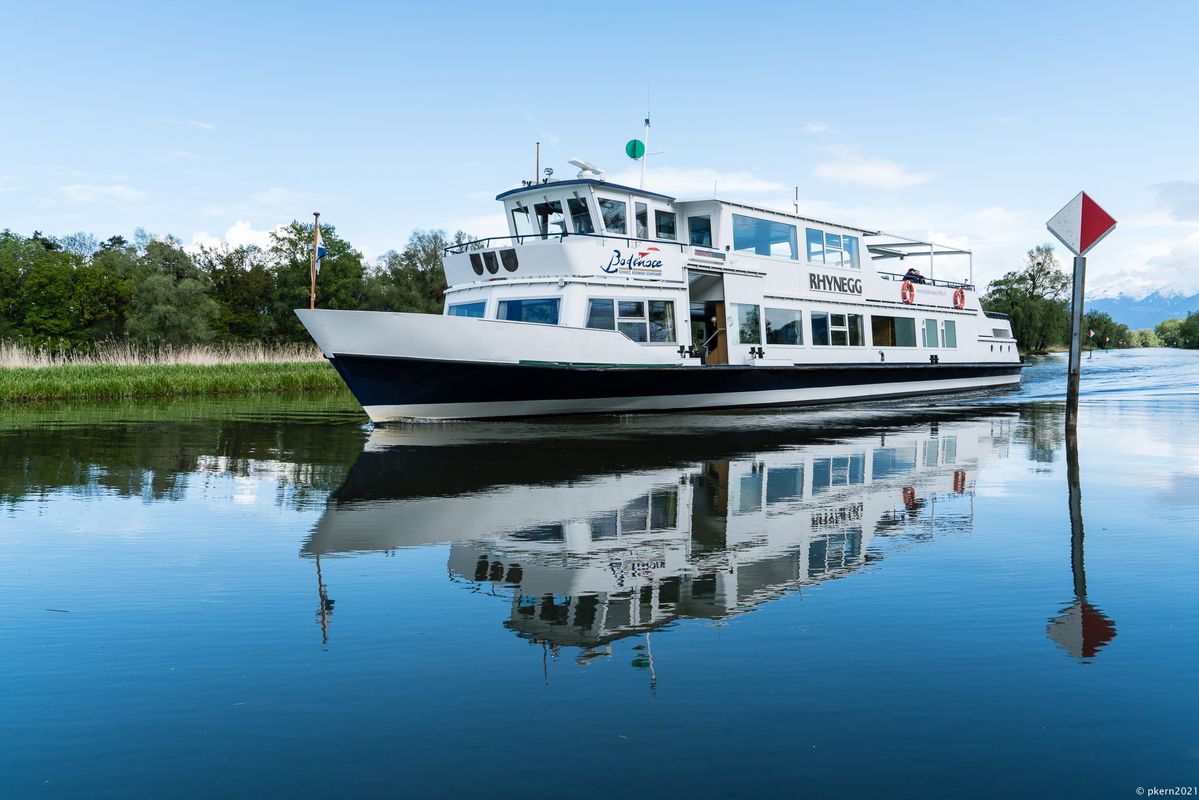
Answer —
907 292
959 298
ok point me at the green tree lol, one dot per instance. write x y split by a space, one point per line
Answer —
1169 332
1033 298
48 300
414 279
1109 334
170 303
242 288
1147 337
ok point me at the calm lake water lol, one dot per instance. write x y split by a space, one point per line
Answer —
268 598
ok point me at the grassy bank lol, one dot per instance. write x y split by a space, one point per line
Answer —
120 371
127 381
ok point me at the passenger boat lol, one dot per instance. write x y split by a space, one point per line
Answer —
603 298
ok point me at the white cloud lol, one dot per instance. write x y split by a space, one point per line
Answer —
195 123
278 196
816 127
1179 199
848 166
240 233
93 192
686 182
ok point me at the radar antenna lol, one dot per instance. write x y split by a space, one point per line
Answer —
587 169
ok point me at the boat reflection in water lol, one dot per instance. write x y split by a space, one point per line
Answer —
602 531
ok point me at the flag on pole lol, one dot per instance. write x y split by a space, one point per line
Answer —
321 250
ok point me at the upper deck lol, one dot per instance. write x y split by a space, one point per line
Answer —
588 227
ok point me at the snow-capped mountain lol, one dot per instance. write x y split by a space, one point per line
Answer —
1172 301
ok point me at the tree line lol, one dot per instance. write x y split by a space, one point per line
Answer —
1036 300
74 291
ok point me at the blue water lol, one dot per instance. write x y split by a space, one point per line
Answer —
272 599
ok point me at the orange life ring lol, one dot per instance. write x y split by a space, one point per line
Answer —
909 497
908 292
959 481
959 298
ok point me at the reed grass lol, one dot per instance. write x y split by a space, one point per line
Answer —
115 353
118 371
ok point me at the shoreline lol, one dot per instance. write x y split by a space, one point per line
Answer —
136 381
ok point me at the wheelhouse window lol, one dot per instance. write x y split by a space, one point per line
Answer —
493 264
665 223
949 333
601 314
544 311
764 237
784 326
893 331
928 333
550 219
521 222
699 230
832 249
615 214
837 330
474 310
749 323
580 215
641 215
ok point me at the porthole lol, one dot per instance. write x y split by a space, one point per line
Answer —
508 257
493 264
476 263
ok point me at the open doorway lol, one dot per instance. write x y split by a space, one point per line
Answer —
705 291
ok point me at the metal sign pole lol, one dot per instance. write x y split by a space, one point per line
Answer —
1080 273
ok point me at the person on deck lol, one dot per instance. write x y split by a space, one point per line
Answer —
913 275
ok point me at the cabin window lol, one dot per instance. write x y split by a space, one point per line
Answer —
642 217
838 330
543 311
615 214
493 264
764 237
749 324
700 230
580 215
665 223
949 333
832 249
521 221
632 320
476 263
600 314
661 321
508 259
784 326
893 331
474 310
928 334
550 218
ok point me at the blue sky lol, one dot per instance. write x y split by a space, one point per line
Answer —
970 122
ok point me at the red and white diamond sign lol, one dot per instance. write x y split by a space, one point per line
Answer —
1081 224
